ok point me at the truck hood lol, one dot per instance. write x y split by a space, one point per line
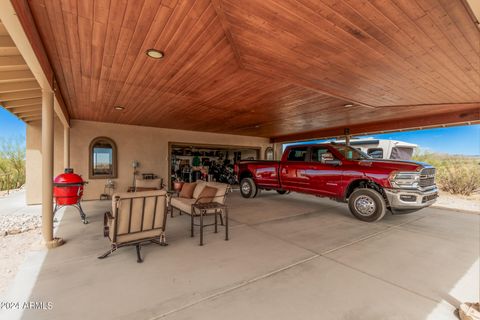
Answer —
395 165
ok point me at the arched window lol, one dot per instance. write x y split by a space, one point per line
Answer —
103 158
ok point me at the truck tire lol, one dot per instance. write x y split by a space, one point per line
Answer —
281 191
367 204
248 189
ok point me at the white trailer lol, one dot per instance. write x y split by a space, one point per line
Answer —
382 148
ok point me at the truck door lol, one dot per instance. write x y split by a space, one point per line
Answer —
292 171
324 172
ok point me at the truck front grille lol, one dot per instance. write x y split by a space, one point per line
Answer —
427 177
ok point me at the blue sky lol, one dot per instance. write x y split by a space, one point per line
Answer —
10 126
454 140
464 140
461 140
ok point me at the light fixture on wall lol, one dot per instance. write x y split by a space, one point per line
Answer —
154 53
135 165
348 105
119 108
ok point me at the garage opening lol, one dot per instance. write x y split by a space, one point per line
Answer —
192 162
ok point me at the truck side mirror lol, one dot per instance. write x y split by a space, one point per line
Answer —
334 162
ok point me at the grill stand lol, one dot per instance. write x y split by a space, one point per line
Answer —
83 216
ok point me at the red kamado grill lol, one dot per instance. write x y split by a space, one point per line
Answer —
68 191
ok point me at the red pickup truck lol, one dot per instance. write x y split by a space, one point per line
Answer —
370 186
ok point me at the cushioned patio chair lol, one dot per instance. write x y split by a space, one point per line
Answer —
185 205
136 218
200 205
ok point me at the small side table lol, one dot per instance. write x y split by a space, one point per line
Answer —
108 191
206 209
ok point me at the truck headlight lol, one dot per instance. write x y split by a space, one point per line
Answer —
404 179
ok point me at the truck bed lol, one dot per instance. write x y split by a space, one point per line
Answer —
265 172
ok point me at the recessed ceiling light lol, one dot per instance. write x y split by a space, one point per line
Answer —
348 105
154 53
119 108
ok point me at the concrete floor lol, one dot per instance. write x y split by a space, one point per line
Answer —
289 257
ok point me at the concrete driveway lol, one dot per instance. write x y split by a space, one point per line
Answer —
15 204
289 257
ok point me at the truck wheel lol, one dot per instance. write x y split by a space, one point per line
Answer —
367 205
281 191
248 189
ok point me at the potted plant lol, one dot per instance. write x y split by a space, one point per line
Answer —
177 184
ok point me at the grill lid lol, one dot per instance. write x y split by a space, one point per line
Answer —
68 179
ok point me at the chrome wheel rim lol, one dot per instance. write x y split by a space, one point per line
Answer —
246 188
365 205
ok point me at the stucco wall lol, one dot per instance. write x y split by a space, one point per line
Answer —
33 166
147 145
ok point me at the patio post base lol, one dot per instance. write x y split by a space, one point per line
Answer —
55 242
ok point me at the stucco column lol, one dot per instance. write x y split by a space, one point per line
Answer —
47 170
66 147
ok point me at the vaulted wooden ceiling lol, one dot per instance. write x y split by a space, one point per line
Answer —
262 67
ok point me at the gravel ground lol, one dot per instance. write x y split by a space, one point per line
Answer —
458 202
14 249
19 233
13 224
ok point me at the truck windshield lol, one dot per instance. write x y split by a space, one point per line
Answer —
351 153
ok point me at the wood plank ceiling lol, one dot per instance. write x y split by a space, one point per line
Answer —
19 91
262 68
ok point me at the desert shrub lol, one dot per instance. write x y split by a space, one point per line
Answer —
12 163
455 174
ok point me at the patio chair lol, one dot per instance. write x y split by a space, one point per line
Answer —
185 204
136 218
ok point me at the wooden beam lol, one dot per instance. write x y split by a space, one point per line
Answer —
3 31
19 21
6 42
25 109
22 103
473 9
418 122
18 86
15 76
61 106
34 120
30 118
22 11
29 114
12 96
12 61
